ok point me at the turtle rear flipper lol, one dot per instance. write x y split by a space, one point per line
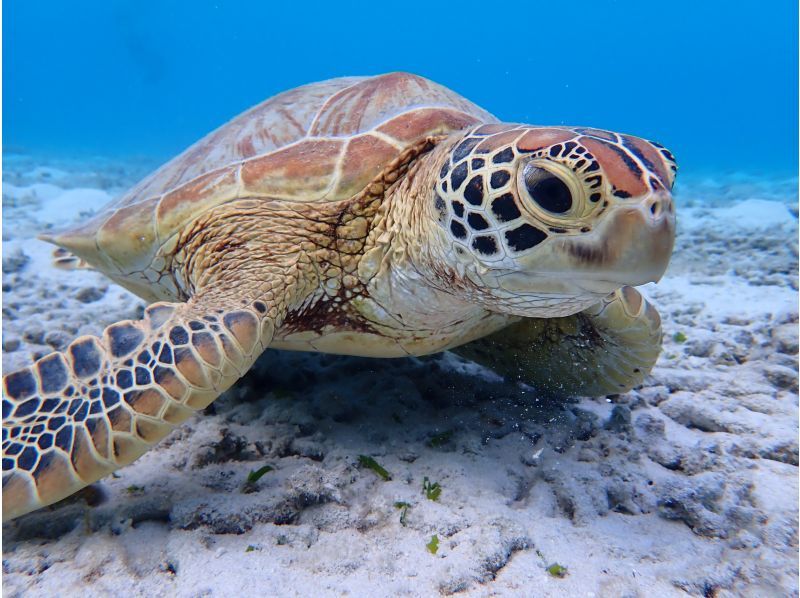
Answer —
75 416
606 349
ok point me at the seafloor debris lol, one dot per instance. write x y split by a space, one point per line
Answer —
700 461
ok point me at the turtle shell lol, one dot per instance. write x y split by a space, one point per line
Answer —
320 142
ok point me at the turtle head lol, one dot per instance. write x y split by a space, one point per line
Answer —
545 221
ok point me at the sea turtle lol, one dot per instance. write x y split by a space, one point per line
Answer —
381 216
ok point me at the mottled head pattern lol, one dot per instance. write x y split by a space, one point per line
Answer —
530 206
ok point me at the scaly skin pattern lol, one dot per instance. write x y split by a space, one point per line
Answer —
76 416
435 273
454 231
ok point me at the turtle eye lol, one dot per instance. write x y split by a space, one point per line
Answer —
547 189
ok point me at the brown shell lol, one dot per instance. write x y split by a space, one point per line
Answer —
320 142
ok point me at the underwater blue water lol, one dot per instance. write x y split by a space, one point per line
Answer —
714 81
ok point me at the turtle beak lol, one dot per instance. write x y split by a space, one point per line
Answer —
631 246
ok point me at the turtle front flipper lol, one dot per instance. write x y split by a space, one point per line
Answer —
606 349
75 416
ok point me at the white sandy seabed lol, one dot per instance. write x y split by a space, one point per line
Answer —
685 486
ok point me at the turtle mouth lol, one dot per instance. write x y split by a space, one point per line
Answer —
601 287
560 284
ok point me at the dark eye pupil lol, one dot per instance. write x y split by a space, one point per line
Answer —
548 190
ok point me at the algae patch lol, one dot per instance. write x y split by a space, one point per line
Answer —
557 570
404 507
432 491
433 545
253 477
370 463
439 440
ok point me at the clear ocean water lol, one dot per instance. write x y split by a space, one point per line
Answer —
714 81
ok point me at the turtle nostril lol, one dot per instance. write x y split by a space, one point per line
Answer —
655 208
660 207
